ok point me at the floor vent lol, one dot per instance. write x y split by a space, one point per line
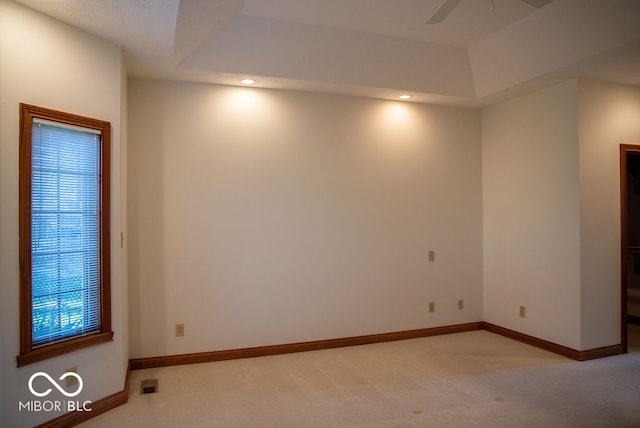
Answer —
149 386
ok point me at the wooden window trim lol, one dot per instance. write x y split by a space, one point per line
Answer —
29 354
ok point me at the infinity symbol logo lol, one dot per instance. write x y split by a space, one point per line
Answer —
53 382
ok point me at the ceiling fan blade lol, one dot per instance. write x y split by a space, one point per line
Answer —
537 3
443 11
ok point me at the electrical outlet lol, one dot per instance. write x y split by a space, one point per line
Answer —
461 304
432 256
179 330
71 380
432 306
523 312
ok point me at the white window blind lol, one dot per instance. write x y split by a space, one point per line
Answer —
65 231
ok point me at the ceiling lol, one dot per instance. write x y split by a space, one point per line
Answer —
374 48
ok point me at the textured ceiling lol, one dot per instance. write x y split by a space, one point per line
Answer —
467 24
200 20
377 48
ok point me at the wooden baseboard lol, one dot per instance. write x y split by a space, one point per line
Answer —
605 351
574 354
261 351
105 404
97 407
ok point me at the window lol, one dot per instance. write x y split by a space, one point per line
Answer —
64 233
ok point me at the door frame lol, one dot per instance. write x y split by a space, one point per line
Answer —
625 149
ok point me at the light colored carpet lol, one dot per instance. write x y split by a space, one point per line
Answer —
474 379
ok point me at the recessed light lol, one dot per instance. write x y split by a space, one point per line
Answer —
405 97
248 81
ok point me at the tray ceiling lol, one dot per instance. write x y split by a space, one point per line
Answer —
376 48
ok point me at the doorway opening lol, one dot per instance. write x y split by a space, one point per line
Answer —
630 243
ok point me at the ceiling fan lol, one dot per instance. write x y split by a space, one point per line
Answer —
448 6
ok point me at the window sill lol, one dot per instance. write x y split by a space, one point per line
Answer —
61 348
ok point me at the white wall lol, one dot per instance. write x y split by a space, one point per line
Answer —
551 184
531 213
609 116
261 217
46 63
